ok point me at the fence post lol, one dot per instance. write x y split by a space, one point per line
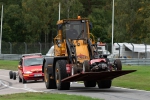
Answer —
10 47
40 46
25 47
119 49
145 50
132 50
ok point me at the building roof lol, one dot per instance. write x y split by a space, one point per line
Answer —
135 47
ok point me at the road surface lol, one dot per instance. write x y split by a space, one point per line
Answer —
9 86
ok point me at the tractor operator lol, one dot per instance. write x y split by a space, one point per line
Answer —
73 34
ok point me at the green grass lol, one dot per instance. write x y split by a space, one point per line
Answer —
43 96
8 64
136 80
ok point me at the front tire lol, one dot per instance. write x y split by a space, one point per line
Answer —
23 80
20 80
50 83
61 73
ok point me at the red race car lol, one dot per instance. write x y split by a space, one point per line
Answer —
30 67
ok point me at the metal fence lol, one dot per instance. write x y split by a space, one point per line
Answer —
24 48
125 61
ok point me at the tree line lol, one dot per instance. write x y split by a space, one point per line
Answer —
35 20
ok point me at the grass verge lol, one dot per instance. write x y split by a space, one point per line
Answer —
9 64
136 80
43 96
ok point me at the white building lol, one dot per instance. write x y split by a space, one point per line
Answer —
131 50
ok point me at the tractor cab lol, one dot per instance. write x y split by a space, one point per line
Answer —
74 29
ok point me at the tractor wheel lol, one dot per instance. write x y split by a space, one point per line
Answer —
20 80
23 80
50 83
118 64
14 75
10 74
89 83
86 66
61 73
104 84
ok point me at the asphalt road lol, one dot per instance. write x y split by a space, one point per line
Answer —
9 86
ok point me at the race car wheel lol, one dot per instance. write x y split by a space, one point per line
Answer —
104 84
50 83
89 83
23 80
74 70
20 80
118 64
14 75
86 66
61 73
10 74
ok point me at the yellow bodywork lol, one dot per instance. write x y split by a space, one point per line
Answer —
81 46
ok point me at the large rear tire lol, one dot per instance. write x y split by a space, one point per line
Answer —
61 73
86 68
50 83
104 84
118 64
10 74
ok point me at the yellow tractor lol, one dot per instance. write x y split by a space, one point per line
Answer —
76 58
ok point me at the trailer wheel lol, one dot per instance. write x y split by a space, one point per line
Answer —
118 64
89 83
104 84
14 75
61 73
10 74
20 80
50 83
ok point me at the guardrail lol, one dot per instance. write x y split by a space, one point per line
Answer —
126 61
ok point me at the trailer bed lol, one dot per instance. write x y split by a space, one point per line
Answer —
89 76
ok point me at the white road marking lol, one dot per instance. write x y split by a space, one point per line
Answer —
130 89
25 88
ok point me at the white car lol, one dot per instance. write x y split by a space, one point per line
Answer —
50 52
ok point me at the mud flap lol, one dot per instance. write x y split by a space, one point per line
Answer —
89 76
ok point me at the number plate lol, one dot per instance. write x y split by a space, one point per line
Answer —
36 75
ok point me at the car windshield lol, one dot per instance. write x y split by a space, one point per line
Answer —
33 61
74 30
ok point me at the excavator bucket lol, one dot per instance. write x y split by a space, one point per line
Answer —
89 76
